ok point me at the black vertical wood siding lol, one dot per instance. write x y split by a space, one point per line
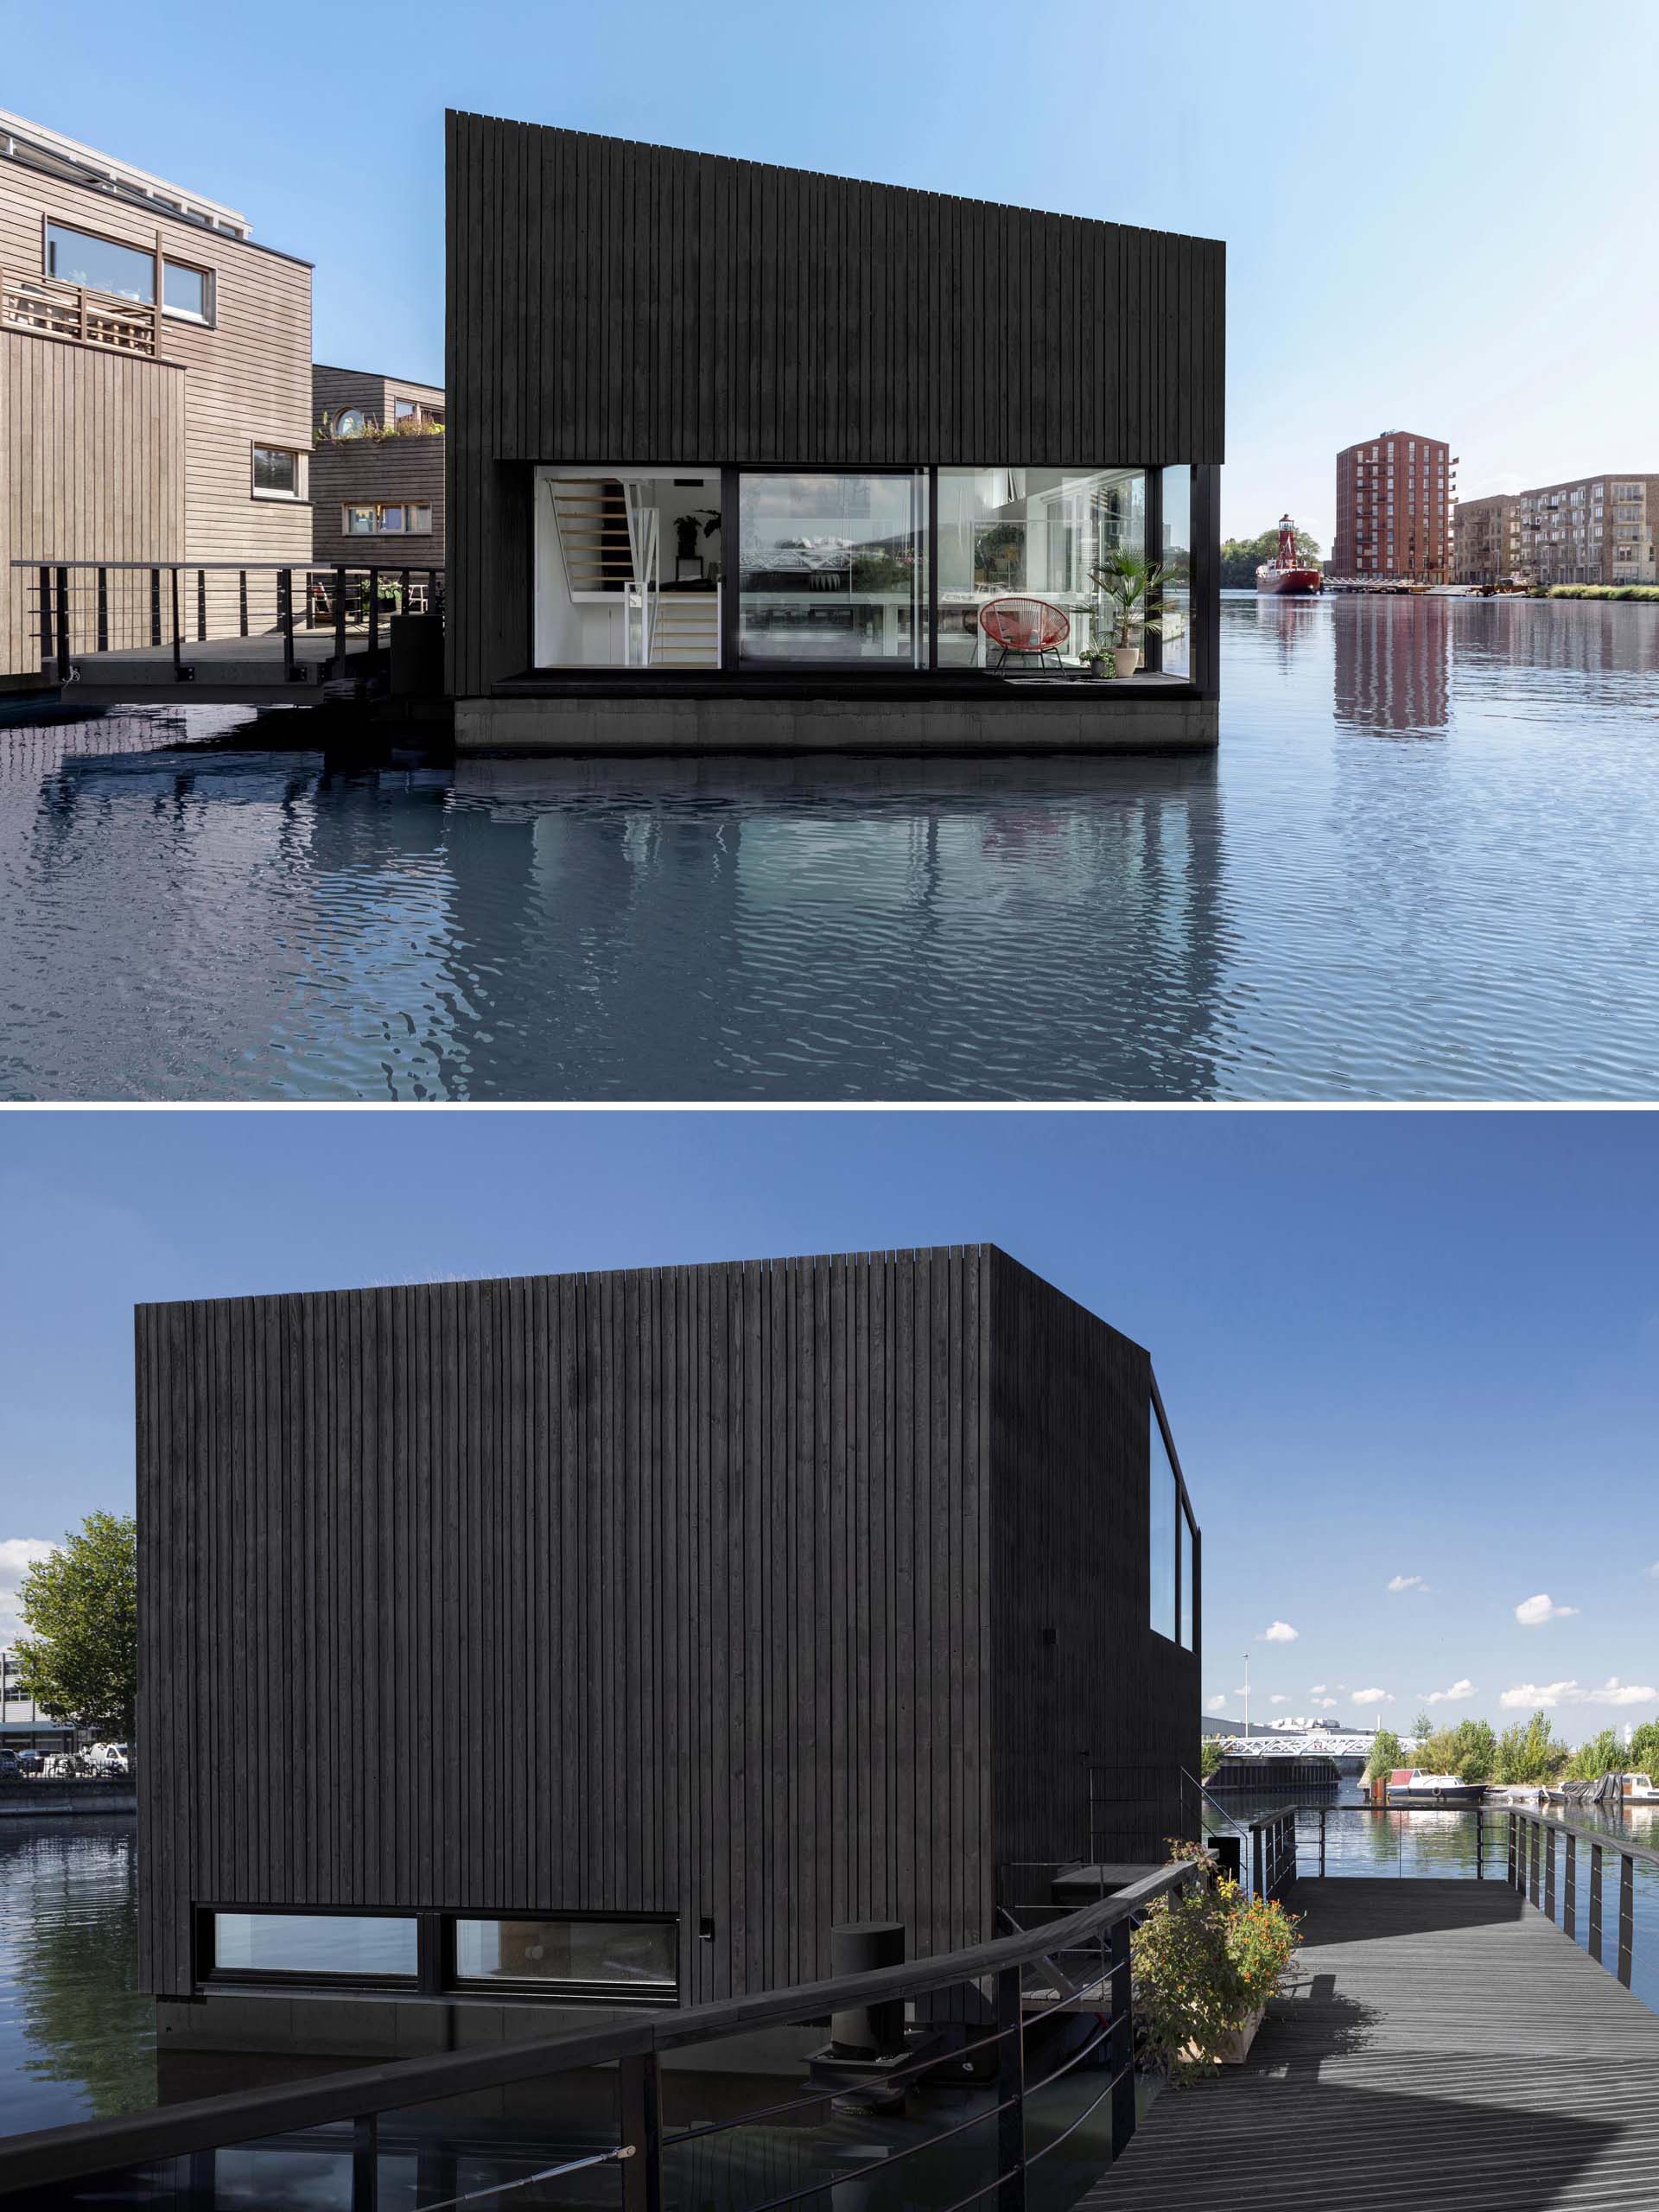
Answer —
698 1590
615 302
1071 1412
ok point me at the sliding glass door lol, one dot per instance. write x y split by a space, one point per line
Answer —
832 568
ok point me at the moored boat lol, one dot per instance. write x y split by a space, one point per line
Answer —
1409 1787
1287 571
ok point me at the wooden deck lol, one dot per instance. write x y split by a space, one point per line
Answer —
227 670
1443 2045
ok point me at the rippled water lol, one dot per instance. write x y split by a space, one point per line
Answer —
1425 864
77 2042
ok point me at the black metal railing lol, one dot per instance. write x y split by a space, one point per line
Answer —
1531 1867
81 608
1093 1942
1313 1825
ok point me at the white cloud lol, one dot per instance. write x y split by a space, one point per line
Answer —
1463 1688
1533 1612
1278 1698
1653 1569
17 1555
1317 1690
1216 1703
1404 1581
1325 1703
1373 1697
1279 1632
1525 1696
1613 1691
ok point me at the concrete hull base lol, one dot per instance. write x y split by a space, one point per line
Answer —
568 725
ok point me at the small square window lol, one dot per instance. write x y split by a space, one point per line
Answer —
276 473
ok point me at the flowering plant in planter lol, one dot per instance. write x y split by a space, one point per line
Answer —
1205 1963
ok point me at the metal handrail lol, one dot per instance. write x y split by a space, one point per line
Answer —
47 2155
1540 1829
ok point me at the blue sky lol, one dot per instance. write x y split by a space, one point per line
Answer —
1474 259
1392 1345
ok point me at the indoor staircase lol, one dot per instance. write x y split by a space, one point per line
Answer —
594 516
686 631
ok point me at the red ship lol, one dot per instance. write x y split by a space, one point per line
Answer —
1287 571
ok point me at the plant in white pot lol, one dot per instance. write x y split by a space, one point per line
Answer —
1129 587
1205 1962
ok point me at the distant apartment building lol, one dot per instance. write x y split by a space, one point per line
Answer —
154 393
377 474
1395 493
1483 534
1593 530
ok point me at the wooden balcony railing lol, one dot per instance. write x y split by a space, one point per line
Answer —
56 310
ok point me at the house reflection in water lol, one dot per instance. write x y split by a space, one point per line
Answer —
839 928
1393 664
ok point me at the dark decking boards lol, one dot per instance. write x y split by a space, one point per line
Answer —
1441 2044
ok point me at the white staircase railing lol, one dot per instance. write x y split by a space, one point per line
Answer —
642 592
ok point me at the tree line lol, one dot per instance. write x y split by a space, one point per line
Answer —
1528 1751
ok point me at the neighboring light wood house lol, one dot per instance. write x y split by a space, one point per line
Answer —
155 389
651 1624
377 474
739 455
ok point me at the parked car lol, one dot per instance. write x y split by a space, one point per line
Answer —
29 1762
63 1766
10 1768
109 1759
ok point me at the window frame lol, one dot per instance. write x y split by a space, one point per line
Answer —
405 507
434 1975
209 1973
925 670
148 255
300 496
567 1991
1188 1537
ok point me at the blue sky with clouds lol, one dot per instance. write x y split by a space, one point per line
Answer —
1409 1350
1436 217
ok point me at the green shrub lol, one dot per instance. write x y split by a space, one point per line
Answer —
1203 1961
1604 591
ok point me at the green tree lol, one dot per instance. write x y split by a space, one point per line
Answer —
1423 1729
80 1661
1644 1748
1386 1754
1530 1753
1471 1750
1603 1754
1211 1751
1240 556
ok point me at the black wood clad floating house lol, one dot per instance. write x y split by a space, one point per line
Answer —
609 1638
743 455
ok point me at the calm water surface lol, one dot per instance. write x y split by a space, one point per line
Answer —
76 2040
1425 865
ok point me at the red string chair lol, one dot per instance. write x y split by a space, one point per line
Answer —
1018 625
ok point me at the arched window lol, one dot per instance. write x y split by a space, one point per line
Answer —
348 423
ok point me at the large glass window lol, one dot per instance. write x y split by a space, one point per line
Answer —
127 271
1165 1509
257 1943
1032 533
1177 557
636 1956
832 568
76 258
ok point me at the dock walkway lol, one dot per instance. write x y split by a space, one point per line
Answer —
1442 2044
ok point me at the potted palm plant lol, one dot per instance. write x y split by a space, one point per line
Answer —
1128 586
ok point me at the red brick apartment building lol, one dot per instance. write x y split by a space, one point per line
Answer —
1395 493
